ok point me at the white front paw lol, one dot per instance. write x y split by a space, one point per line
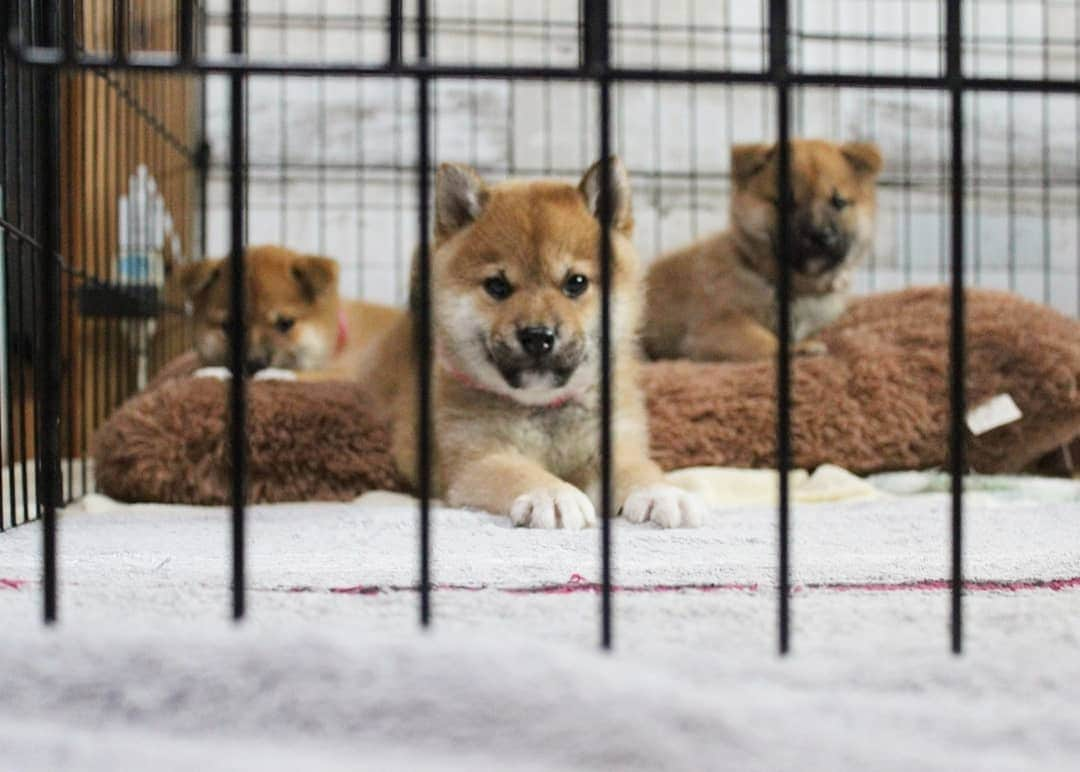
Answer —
274 374
221 373
665 505
561 506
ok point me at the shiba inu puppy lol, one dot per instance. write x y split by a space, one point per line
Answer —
295 317
715 299
515 299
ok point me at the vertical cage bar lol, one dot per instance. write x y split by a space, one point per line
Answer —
118 166
5 390
320 133
1010 143
67 28
400 283
658 136
9 120
598 61
778 67
99 170
202 158
1047 215
954 76
282 22
185 42
76 84
237 331
48 128
396 32
511 100
905 164
424 331
23 192
120 30
692 126
606 504
91 333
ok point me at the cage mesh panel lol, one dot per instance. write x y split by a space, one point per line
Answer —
111 122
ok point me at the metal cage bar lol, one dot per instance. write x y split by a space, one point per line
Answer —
49 480
956 319
597 57
237 320
778 66
424 432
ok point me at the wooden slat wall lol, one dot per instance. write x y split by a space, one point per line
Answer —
111 123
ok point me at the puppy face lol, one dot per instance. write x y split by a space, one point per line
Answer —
833 189
292 304
516 280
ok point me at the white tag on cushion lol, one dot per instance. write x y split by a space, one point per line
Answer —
994 412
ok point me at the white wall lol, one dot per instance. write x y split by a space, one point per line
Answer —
360 206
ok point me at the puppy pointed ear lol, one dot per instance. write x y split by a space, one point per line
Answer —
315 275
749 159
195 278
460 196
864 157
622 210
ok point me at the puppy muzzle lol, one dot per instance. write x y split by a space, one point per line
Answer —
537 356
819 248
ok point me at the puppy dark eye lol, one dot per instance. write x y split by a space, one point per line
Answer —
839 202
284 324
575 285
498 287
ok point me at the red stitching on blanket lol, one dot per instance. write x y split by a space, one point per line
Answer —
975 585
578 583
360 589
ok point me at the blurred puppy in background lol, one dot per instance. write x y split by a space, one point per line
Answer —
716 299
515 299
296 319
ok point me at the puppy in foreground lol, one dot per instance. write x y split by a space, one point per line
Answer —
295 318
515 299
716 299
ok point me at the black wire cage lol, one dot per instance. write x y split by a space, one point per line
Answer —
127 156
138 135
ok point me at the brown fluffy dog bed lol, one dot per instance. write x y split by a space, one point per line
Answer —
877 401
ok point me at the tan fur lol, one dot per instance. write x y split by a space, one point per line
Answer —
715 299
499 447
283 284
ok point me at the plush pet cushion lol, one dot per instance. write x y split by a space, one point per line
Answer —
877 401
307 442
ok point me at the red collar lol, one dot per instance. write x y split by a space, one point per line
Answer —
469 382
342 331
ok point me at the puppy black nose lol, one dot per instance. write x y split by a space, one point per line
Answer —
826 238
254 364
537 341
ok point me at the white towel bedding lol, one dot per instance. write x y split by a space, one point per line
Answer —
330 672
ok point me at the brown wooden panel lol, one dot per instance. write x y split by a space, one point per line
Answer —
110 124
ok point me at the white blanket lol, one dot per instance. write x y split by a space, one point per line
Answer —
329 670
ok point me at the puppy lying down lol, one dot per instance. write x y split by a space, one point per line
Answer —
515 298
296 320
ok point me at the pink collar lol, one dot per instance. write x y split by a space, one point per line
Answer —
342 331
471 383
